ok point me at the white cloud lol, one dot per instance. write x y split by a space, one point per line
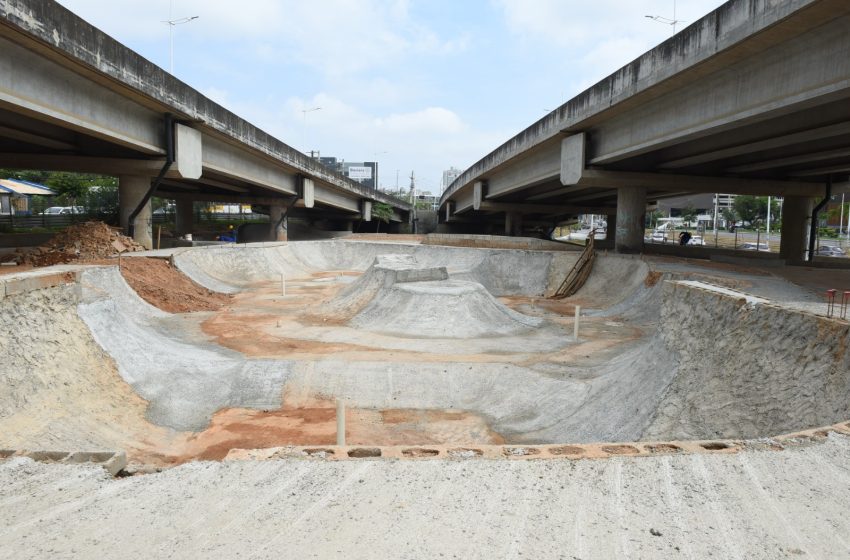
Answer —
338 36
593 40
425 140
578 24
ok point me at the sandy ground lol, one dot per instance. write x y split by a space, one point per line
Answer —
748 505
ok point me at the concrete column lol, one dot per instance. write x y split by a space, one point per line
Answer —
796 213
131 190
277 233
513 224
183 218
631 211
611 230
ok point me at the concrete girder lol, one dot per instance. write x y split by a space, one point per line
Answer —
84 164
463 201
790 161
802 71
35 139
221 157
539 166
832 170
549 209
44 90
801 137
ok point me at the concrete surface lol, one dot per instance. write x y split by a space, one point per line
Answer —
747 505
669 349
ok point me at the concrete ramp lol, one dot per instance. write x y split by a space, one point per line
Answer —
441 309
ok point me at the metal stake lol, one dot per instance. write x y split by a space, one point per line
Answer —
576 321
340 422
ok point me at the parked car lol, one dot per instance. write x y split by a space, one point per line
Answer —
60 210
754 247
658 237
831 251
696 240
163 210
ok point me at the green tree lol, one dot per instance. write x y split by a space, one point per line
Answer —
382 212
652 218
689 213
729 216
748 208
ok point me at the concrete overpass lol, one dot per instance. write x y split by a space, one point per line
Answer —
754 98
74 99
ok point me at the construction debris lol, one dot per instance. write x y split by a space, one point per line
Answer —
80 242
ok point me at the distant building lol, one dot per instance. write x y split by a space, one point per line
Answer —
16 196
449 175
364 172
428 198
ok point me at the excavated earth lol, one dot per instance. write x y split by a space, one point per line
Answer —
426 345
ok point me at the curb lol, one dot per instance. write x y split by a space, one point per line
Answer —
111 461
537 452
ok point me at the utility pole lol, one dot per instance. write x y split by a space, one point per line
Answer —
668 21
413 218
769 199
171 23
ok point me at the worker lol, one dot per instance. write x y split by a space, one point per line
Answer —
229 236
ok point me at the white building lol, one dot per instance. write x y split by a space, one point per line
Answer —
449 175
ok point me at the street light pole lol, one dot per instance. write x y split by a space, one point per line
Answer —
171 23
375 161
304 134
668 21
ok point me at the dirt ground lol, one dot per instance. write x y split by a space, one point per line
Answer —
159 283
240 428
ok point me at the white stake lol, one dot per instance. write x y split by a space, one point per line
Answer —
283 284
575 323
340 422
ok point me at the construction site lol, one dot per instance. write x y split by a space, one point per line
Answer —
330 379
677 377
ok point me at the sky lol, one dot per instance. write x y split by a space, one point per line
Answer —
418 85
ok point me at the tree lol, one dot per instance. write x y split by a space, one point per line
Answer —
749 208
729 216
652 217
382 212
689 213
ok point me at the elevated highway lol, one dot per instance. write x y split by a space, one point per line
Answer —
754 98
74 99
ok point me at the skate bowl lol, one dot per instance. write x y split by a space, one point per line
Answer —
425 344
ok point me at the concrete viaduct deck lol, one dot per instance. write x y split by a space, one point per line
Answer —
74 99
750 99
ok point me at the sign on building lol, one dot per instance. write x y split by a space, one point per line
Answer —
359 173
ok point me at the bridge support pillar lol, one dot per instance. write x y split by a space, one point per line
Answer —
183 217
631 211
796 213
278 225
513 224
131 191
611 228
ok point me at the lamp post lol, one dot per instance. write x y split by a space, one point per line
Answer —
171 23
376 168
666 20
304 114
